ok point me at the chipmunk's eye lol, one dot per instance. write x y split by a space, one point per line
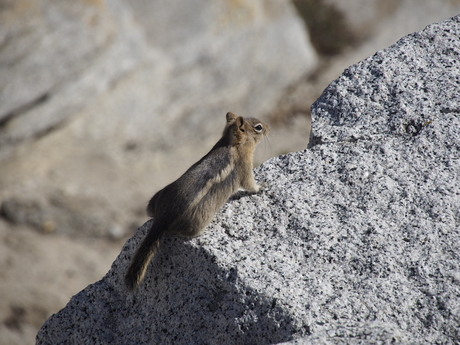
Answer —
258 127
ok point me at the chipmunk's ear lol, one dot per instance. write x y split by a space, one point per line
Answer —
230 117
240 123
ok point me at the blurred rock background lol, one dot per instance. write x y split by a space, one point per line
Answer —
103 102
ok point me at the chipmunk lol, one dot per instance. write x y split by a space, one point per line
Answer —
188 204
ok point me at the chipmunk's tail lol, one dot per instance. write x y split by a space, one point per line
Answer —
141 258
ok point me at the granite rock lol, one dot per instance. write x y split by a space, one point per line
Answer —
354 240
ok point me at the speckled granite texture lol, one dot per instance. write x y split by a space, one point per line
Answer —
355 240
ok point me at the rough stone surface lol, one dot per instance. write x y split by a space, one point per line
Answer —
355 240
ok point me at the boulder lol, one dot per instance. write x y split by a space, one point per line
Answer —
354 240
96 96
142 67
55 58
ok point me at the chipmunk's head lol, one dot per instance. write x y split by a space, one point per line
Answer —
245 130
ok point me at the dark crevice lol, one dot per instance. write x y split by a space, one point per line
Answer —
24 108
412 128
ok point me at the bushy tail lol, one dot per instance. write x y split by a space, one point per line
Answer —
141 258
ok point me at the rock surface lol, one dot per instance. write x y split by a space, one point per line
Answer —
56 57
355 240
96 96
